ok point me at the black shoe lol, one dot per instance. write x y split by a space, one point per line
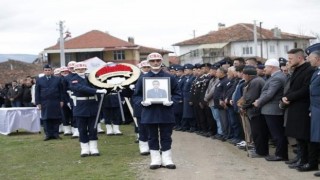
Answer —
170 166
292 161
317 174
154 167
46 139
57 137
274 158
308 167
295 165
145 153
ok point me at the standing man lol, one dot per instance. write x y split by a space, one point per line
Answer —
85 110
268 101
297 100
158 118
259 129
314 59
49 99
15 94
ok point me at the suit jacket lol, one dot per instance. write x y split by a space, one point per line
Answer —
271 94
157 93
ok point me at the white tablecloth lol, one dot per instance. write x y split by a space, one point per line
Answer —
12 119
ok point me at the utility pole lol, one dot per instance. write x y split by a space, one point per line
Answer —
261 41
194 34
62 56
255 38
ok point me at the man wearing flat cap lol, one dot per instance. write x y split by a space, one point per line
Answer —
259 129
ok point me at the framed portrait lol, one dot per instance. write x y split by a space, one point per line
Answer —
156 89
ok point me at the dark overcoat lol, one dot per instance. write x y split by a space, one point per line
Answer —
157 113
298 120
49 94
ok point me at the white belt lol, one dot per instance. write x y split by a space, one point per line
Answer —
86 98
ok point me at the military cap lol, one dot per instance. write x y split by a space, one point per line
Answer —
188 66
206 65
197 66
215 66
314 47
260 66
46 66
282 61
179 68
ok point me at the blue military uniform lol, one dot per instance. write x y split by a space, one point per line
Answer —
178 107
188 119
49 94
111 109
85 108
158 116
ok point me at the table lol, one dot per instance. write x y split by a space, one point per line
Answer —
12 119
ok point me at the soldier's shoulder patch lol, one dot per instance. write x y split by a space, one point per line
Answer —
74 81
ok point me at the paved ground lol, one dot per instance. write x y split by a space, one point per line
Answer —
202 158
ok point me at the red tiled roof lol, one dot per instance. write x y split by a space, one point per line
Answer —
93 39
238 32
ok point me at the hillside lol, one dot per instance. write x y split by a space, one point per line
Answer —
13 70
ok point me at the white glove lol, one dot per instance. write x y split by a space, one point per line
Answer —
146 103
167 103
101 91
132 86
69 105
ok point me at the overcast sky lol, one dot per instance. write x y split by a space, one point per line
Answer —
29 26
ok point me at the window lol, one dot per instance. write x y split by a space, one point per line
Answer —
272 49
247 50
194 53
119 55
286 48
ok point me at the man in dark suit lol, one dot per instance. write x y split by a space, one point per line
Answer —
156 92
297 100
49 99
268 101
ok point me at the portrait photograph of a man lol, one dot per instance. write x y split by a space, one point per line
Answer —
156 89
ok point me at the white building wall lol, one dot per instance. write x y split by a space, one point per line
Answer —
187 49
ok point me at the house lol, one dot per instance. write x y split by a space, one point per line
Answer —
238 40
104 46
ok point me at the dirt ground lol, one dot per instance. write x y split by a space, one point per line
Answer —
201 158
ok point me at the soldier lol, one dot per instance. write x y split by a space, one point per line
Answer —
67 82
85 110
178 107
49 99
188 120
137 108
158 118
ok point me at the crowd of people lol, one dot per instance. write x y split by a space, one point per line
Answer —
241 101
249 104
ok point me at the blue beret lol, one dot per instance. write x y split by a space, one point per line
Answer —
314 47
282 61
47 66
188 66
